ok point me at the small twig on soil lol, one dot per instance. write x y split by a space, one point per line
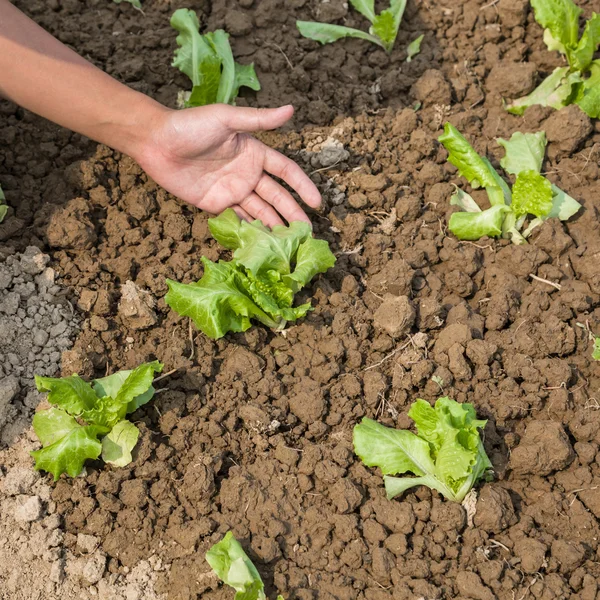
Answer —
556 387
493 3
165 375
325 168
191 334
289 62
389 356
499 544
478 245
542 280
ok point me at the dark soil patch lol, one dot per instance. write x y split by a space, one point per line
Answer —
253 433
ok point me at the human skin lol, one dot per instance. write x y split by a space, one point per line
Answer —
205 156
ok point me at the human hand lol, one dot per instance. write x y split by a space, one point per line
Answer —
207 157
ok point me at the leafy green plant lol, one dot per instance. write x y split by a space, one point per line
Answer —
596 352
532 194
414 48
268 268
233 567
135 3
3 207
383 30
70 431
208 61
578 83
446 454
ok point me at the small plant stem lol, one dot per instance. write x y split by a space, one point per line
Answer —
542 280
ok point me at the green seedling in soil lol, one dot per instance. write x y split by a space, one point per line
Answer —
3 207
579 83
208 61
383 30
88 420
513 213
268 268
592 338
446 454
135 3
414 48
233 567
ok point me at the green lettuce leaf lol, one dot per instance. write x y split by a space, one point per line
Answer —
474 225
581 57
66 443
135 3
3 207
414 48
384 27
208 61
72 394
325 33
563 205
524 152
532 195
447 454
233 567
476 170
464 201
596 352
107 412
365 7
556 91
313 257
560 18
217 303
588 98
118 444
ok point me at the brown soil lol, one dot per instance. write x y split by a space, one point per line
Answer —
253 432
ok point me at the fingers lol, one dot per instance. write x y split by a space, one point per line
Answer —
279 165
241 213
281 200
257 208
254 119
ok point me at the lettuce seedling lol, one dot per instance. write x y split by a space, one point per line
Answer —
135 3
596 352
383 30
446 454
70 431
578 83
268 268
3 207
531 194
208 61
233 567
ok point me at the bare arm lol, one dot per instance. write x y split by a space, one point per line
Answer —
204 156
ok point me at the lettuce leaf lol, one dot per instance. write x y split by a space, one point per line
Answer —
475 225
596 352
588 98
524 152
326 33
365 7
563 205
135 3
560 18
208 61
532 195
580 58
233 567
268 267
414 48
100 410
3 207
446 454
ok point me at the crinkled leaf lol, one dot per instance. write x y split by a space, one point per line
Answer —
72 394
365 7
563 205
532 195
313 257
596 352
226 229
475 225
384 27
560 17
52 424
555 91
233 567
589 93
414 48
138 382
69 453
118 444
464 201
476 170
106 412
524 152
217 303
3 207
325 33
581 57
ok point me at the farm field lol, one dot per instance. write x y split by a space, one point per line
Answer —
253 432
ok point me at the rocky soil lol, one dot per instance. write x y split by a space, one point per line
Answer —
253 432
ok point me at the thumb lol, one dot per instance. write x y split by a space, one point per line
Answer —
256 119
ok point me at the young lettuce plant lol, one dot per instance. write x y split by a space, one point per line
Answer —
446 454
578 83
532 194
596 352
268 268
383 30
83 413
135 3
233 567
208 61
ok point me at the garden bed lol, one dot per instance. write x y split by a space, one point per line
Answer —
253 432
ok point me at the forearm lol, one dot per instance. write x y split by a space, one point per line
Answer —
41 74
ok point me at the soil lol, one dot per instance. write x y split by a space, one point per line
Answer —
253 432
